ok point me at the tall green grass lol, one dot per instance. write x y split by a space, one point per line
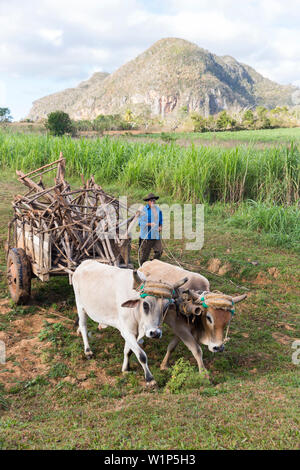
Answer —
198 174
281 224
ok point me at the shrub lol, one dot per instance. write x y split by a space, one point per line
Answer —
59 123
200 124
185 377
167 137
248 118
225 121
111 122
5 115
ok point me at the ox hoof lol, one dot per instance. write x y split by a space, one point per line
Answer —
164 367
89 354
151 384
204 373
125 372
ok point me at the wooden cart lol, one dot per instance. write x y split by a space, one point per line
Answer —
54 229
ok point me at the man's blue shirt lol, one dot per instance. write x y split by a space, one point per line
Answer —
147 217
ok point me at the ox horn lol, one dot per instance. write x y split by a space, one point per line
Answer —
193 294
137 278
180 283
239 298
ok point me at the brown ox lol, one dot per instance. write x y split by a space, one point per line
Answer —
208 324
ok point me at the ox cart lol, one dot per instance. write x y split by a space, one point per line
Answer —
55 228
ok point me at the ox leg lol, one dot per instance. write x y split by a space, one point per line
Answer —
83 330
172 345
141 357
190 342
127 354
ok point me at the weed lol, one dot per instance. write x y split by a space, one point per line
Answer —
4 404
38 381
185 377
58 370
108 391
56 333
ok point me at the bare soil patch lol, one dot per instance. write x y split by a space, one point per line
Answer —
25 354
23 350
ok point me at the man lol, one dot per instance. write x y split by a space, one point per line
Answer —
150 222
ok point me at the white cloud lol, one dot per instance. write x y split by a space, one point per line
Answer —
3 98
53 36
60 41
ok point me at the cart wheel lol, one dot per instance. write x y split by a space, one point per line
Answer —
19 275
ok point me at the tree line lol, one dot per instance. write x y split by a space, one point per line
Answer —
59 122
259 118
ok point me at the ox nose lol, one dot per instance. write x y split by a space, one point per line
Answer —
219 348
155 333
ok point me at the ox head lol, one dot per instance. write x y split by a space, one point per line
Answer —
152 304
217 310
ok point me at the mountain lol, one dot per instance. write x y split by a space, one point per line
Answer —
173 74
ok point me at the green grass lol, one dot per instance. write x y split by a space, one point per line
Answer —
277 136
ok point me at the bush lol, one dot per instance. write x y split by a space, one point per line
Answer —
5 115
59 123
185 377
225 121
248 119
200 124
111 122
167 137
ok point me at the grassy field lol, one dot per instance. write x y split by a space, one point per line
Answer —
261 136
277 136
52 398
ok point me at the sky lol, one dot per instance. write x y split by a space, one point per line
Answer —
49 45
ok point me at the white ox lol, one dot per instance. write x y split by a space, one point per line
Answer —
105 293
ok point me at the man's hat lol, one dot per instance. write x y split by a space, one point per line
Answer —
150 196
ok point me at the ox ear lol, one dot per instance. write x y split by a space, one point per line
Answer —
130 303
